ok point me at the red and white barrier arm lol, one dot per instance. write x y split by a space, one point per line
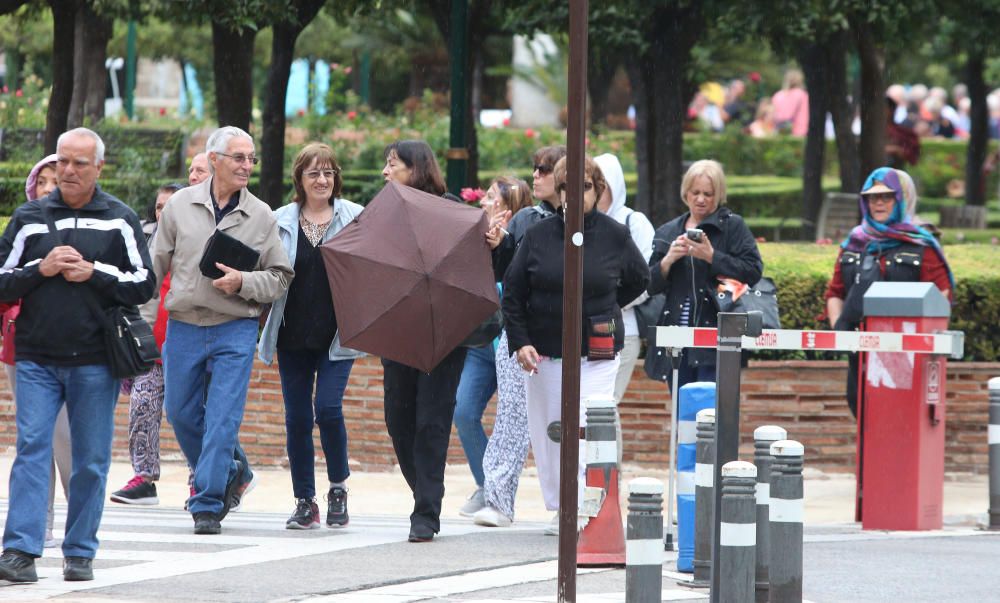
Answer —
950 343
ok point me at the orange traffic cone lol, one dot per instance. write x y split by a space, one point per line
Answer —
602 541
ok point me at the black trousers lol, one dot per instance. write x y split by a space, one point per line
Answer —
419 408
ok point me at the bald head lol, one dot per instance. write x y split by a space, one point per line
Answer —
198 172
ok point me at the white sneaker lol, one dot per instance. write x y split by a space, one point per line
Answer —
553 528
476 502
50 541
490 517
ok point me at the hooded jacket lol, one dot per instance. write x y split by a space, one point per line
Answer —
55 325
32 182
344 212
637 223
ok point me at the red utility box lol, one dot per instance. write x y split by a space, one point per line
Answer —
901 413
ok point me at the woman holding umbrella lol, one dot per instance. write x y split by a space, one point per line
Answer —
614 273
302 329
419 406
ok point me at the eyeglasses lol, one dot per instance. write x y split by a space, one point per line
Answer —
880 198
315 174
543 169
240 158
587 187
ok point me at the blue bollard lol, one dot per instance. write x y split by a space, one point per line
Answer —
691 398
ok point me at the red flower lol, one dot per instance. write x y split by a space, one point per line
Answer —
529 133
163 111
301 112
335 66
348 70
5 89
506 122
19 93
352 115
472 195
755 76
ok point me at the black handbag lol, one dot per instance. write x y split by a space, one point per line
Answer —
762 297
647 314
128 338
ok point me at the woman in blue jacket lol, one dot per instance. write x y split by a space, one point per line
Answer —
302 329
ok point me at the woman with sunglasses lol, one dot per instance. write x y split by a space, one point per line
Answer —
301 330
614 273
885 246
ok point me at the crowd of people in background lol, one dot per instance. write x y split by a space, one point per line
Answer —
928 111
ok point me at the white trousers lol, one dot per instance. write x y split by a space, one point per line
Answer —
544 395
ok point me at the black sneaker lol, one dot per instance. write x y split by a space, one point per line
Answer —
229 496
205 522
246 481
336 507
420 533
17 566
306 515
78 569
137 492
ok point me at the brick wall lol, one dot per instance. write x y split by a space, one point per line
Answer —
804 397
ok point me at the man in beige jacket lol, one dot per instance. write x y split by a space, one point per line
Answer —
213 322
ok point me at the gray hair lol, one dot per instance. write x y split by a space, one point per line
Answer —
98 143
218 141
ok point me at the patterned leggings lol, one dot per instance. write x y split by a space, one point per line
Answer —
145 413
508 445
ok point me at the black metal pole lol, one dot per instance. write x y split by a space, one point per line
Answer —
572 301
727 422
458 154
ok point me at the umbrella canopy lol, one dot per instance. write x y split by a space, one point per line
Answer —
411 276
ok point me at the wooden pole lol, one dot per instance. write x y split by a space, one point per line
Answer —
572 300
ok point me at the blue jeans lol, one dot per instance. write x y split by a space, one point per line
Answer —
478 384
90 393
207 427
300 371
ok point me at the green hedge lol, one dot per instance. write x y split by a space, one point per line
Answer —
802 270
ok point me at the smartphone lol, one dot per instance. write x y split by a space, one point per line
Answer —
695 234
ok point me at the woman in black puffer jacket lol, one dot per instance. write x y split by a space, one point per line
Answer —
687 271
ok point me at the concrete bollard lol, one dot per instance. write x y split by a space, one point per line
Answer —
738 537
763 437
704 497
644 541
785 517
994 446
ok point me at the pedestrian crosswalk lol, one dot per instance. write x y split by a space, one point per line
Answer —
147 546
139 544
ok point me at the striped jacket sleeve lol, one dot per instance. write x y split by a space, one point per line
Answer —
17 276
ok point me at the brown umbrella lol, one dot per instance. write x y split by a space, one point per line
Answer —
411 277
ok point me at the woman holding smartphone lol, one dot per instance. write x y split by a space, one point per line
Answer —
690 254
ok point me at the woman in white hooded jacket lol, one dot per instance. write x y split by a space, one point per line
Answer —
612 202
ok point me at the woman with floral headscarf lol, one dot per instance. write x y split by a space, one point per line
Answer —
886 246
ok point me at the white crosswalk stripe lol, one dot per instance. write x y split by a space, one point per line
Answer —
149 537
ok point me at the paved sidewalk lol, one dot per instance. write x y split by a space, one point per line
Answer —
829 497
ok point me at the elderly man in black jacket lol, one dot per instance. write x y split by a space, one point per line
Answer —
98 252
614 273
